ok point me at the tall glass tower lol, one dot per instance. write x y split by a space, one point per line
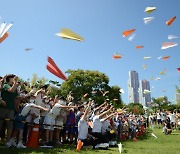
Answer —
133 87
144 98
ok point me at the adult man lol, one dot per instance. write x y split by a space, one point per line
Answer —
8 95
2 79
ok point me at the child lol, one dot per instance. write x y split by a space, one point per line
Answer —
167 129
49 120
20 120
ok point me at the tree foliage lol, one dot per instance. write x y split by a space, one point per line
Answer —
92 83
162 103
37 81
177 89
135 108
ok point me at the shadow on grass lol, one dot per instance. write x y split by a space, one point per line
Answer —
54 150
174 134
66 148
144 136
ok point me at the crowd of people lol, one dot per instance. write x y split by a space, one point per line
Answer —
61 120
166 120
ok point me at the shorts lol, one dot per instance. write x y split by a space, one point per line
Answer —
41 126
1 100
49 123
63 131
19 121
6 114
154 120
29 120
159 121
59 124
173 124
76 130
70 129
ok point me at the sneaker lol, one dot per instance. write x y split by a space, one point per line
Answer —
102 145
20 145
89 147
13 142
8 144
96 147
58 143
112 143
49 143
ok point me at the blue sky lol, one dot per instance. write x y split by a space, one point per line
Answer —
101 23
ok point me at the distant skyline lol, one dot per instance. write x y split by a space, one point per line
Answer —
101 23
133 87
144 93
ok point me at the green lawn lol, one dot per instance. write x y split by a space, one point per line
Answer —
164 144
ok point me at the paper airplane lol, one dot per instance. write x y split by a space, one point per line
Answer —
167 45
128 32
131 37
147 58
149 9
68 34
146 91
153 135
117 56
170 21
147 20
121 91
170 37
28 49
157 78
159 57
4 31
120 147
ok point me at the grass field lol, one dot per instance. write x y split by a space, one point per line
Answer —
164 144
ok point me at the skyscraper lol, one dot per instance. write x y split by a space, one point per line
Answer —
177 97
133 87
144 98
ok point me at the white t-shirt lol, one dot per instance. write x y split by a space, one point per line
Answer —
55 111
27 109
158 116
97 125
82 129
62 116
38 101
150 118
173 118
178 123
46 106
163 116
105 126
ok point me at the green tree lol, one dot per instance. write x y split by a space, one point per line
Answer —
177 89
82 82
115 97
37 81
160 103
135 108
54 88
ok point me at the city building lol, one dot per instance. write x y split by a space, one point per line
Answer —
177 98
133 87
144 93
